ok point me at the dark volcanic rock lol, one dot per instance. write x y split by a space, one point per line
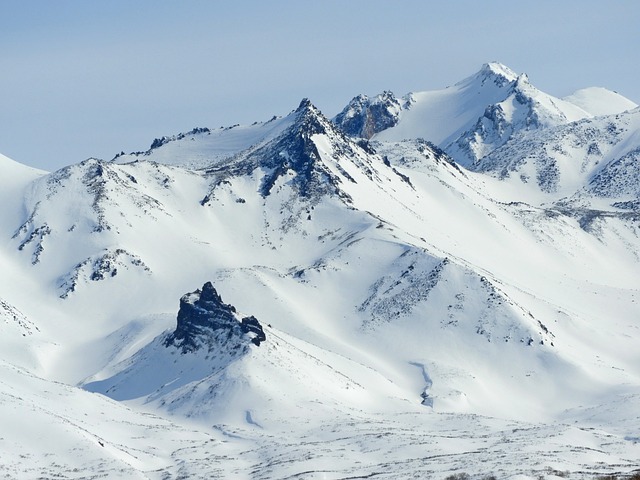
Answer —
364 117
295 151
293 157
205 321
251 325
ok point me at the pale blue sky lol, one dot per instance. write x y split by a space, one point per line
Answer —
81 78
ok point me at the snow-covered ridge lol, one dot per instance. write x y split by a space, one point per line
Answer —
204 147
600 101
477 115
311 155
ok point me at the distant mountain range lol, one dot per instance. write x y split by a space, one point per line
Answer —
425 285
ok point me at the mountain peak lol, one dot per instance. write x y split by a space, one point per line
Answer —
209 294
600 101
303 157
364 117
305 104
307 108
497 69
309 119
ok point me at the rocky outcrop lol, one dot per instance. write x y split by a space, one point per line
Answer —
252 325
205 321
100 267
364 117
293 159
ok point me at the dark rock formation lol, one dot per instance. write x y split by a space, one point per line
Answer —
294 156
205 321
251 325
100 267
364 117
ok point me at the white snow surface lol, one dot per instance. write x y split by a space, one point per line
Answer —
421 319
600 101
201 148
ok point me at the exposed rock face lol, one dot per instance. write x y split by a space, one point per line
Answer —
364 117
293 158
100 267
295 151
205 321
15 319
251 325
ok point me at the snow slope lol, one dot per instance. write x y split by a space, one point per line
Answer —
441 116
600 101
14 178
202 147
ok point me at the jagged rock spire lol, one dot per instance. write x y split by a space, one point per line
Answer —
205 321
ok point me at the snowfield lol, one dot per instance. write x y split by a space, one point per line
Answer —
441 285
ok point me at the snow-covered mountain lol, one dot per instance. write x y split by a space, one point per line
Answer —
306 298
595 157
599 101
476 115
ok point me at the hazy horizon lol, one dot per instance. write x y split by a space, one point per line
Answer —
93 79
